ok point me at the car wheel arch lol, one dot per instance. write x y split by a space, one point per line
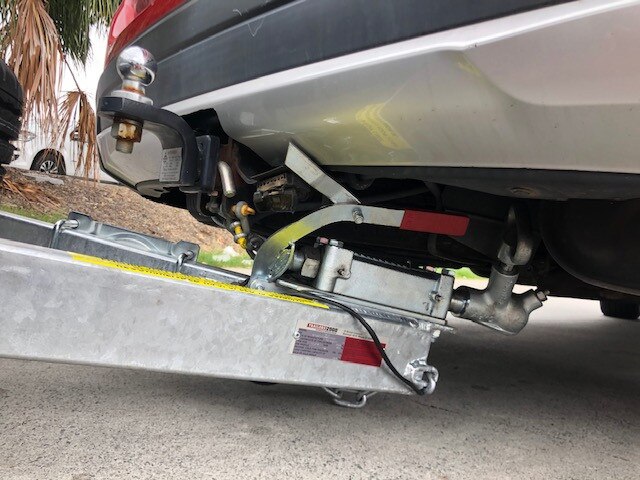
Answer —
46 151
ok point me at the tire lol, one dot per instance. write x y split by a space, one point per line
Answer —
11 101
620 309
49 161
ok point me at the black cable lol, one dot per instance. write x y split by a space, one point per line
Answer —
374 337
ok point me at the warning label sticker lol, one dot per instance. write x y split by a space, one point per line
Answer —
317 340
171 164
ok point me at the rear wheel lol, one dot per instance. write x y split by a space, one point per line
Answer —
11 100
620 309
49 161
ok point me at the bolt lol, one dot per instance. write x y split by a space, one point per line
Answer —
137 68
241 209
212 206
357 216
247 210
542 295
436 297
296 335
507 268
124 146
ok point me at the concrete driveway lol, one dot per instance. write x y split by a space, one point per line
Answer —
559 401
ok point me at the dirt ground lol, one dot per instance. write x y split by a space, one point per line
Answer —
113 204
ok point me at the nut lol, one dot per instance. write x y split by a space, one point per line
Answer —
127 130
126 133
358 218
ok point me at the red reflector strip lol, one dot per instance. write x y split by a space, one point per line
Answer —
361 351
432 222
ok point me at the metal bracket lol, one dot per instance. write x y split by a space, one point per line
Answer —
270 250
517 245
106 241
172 131
347 208
306 169
58 227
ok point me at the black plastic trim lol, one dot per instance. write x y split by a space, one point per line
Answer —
595 241
516 182
209 148
165 125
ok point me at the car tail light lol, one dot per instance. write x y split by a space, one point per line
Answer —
134 17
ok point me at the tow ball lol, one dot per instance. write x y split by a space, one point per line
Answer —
137 68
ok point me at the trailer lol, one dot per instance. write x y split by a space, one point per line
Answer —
88 293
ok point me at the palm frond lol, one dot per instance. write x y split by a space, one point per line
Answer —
77 118
29 191
74 19
101 11
31 47
36 38
5 9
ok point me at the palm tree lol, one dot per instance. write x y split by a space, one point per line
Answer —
38 40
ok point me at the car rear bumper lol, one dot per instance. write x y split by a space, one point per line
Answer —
207 45
384 85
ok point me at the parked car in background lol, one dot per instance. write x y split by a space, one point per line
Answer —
35 152
11 100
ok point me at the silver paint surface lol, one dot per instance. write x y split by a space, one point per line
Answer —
555 88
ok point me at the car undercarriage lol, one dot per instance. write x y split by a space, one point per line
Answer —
571 216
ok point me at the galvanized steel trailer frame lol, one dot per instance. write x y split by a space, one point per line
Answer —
125 299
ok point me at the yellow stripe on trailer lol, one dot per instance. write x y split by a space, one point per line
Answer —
206 282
